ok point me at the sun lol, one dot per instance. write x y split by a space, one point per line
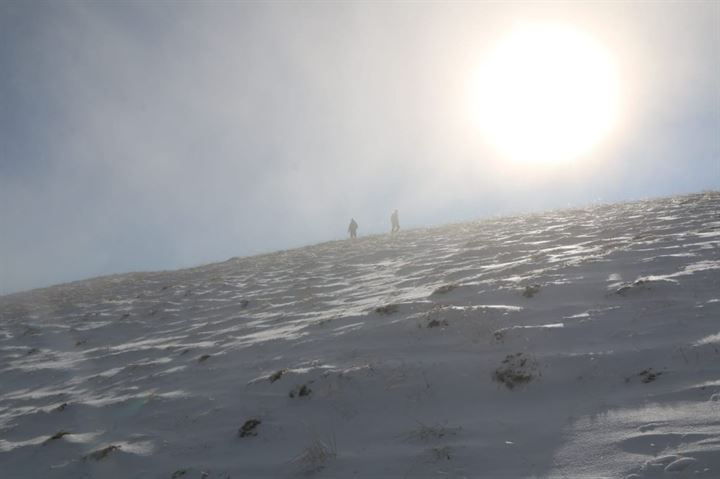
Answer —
545 94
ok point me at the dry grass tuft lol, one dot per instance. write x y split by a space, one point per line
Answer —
433 432
316 454
516 369
531 290
101 454
387 309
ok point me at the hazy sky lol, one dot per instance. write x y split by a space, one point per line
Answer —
157 135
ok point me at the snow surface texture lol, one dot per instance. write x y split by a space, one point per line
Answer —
571 344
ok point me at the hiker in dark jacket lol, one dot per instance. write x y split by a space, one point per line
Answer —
352 229
395 221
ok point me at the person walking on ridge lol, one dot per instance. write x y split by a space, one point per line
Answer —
395 221
352 229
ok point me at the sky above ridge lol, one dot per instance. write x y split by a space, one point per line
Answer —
158 135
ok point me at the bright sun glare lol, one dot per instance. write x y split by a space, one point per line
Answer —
545 94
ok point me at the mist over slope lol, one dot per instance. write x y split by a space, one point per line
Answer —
579 343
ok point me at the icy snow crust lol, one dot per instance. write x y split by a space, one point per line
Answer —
571 344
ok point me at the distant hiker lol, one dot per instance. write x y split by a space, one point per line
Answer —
395 221
352 229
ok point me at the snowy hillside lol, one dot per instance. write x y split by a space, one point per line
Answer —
571 344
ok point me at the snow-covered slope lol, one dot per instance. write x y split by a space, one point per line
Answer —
572 344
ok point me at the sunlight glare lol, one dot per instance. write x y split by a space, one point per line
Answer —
545 94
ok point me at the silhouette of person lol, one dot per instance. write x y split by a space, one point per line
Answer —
352 229
395 221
